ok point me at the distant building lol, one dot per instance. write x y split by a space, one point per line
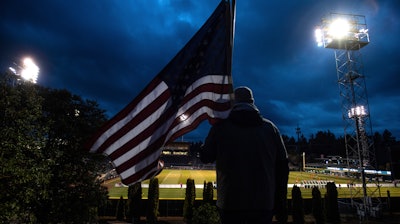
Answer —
176 154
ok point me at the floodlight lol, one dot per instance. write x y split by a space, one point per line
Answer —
343 31
29 70
339 28
318 37
358 111
347 34
13 70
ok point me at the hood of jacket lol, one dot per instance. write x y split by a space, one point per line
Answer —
245 115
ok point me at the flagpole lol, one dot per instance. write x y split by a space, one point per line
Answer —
230 42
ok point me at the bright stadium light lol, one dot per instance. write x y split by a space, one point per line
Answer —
30 70
347 34
358 111
339 28
319 37
342 31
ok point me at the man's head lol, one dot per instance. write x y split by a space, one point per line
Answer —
243 94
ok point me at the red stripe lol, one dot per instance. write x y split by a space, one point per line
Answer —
158 144
203 103
124 112
144 134
139 174
208 87
142 155
142 115
189 128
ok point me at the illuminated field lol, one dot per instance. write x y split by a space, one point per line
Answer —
175 178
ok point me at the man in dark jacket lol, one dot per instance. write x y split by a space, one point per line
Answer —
251 162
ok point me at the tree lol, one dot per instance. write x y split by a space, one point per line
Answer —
120 209
25 169
190 196
153 200
317 210
206 214
134 202
331 203
74 182
208 193
46 174
323 143
297 205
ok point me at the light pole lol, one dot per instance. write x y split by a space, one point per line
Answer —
358 113
347 34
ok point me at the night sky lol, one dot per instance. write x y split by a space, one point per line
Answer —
109 50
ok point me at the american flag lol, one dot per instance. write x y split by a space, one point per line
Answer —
195 85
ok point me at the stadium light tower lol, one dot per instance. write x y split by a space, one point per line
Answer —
347 34
29 71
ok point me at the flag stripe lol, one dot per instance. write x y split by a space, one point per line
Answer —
143 174
114 131
144 128
194 86
151 130
118 120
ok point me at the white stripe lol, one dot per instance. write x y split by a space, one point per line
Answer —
203 95
216 97
194 116
140 106
150 98
217 79
144 144
137 129
141 165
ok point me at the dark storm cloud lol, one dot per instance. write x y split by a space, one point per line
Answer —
109 50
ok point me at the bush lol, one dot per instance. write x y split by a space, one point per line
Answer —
190 197
208 193
120 209
317 209
331 203
206 214
297 205
134 202
153 201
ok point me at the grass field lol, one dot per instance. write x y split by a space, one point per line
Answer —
177 177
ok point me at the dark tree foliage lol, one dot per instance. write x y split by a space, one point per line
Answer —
208 193
190 196
331 203
134 202
153 201
120 209
383 145
206 214
25 169
297 205
317 209
47 176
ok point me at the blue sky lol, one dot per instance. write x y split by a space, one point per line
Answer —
109 50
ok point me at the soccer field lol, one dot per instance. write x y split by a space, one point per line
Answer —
172 184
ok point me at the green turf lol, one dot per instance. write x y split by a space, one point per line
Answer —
199 176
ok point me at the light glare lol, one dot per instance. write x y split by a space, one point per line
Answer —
339 28
183 117
30 70
318 37
358 111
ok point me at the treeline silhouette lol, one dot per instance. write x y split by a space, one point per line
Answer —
326 143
